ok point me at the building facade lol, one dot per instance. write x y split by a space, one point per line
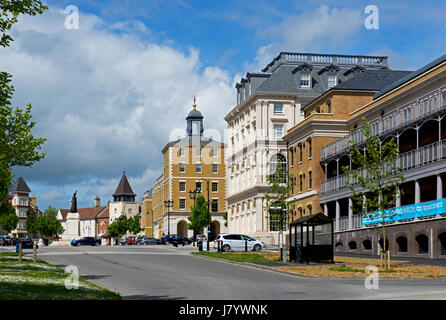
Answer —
147 214
18 197
411 111
124 202
326 120
192 165
268 105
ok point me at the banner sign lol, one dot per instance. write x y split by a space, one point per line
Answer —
424 209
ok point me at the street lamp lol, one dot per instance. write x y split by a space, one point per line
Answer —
168 204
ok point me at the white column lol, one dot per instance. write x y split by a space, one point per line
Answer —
439 187
398 198
325 209
350 213
259 215
338 214
417 191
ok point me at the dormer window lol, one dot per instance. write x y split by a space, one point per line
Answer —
331 80
304 79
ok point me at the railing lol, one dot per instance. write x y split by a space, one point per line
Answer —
408 160
416 110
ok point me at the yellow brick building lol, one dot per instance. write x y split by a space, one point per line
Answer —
192 165
326 120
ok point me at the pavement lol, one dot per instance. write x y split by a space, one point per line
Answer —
166 273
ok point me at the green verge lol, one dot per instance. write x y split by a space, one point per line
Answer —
344 268
43 281
236 257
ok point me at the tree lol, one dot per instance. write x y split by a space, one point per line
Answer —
18 146
374 169
133 225
118 227
8 217
48 224
282 183
201 216
30 224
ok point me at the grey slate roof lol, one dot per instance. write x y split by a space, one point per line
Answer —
280 81
19 186
124 188
410 76
372 80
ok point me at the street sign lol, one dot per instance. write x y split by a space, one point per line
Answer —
280 240
205 246
208 231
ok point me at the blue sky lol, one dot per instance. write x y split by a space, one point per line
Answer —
103 94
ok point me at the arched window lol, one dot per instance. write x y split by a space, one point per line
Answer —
339 244
367 244
423 243
352 245
402 244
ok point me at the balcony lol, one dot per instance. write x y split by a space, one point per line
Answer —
412 159
404 116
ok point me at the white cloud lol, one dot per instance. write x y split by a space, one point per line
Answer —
106 100
316 30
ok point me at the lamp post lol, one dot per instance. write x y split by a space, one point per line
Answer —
168 204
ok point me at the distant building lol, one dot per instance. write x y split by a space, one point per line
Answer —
192 165
268 105
18 196
124 202
91 220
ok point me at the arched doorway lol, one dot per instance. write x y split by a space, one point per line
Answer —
215 230
182 228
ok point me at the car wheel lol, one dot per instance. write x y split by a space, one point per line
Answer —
226 248
257 247
167 242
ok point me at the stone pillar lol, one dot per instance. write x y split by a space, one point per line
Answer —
398 198
338 214
417 191
350 213
439 187
259 215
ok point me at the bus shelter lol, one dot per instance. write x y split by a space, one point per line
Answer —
311 239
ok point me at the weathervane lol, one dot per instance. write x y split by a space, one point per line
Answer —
195 105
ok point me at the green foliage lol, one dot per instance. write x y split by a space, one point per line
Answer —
281 186
377 173
201 217
18 147
47 224
30 223
11 9
225 216
133 225
118 227
8 217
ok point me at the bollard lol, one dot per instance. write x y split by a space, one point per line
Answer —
20 252
246 245
34 253
218 246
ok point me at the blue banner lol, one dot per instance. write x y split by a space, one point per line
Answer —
423 209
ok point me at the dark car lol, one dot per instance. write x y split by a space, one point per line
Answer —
147 241
174 238
5 241
26 243
86 241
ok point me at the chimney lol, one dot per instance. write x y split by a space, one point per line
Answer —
97 202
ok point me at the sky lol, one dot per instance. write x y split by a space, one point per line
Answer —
110 94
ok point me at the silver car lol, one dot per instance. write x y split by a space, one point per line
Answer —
237 242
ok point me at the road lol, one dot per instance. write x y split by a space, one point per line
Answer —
162 272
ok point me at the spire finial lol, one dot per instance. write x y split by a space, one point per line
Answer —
195 105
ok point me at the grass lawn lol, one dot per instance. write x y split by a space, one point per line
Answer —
242 256
31 281
343 266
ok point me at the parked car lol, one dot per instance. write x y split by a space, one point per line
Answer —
147 241
26 243
5 240
86 241
236 242
123 241
171 238
138 239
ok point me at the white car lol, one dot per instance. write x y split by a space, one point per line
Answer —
237 242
